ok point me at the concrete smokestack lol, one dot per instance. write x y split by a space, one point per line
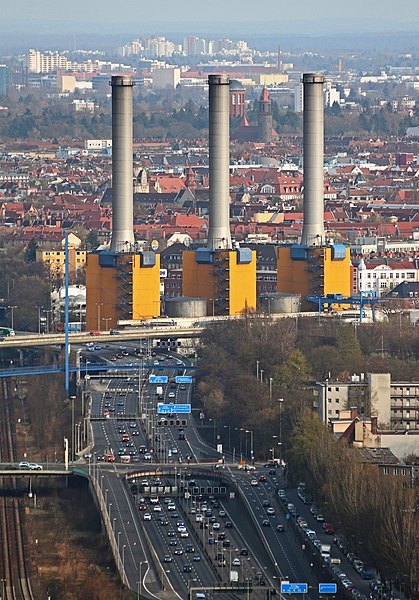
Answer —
122 165
313 131
219 163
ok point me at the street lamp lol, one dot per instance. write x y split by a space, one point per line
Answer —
12 309
140 583
98 305
123 556
261 375
251 443
119 533
280 400
72 400
270 389
229 436
257 370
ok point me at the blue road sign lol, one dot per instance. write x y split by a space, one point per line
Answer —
294 588
171 409
183 379
157 379
328 588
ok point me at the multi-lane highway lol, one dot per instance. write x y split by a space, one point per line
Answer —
174 528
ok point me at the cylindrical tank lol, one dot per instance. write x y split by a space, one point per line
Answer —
186 307
219 163
280 303
313 151
122 164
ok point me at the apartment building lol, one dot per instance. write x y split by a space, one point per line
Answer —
395 405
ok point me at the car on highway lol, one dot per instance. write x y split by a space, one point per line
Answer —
236 562
147 516
24 465
265 523
178 551
114 332
167 558
254 482
187 568
280 527
171 395
196 558
95 333
270 511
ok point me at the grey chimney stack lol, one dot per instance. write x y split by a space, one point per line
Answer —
122 165
313 132
219 163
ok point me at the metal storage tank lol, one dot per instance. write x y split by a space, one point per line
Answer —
280 303
186 307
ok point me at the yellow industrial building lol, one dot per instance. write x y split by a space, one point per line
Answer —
121 286
226 278
314 271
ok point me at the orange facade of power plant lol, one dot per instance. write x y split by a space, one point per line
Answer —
314 271
121 286
226 281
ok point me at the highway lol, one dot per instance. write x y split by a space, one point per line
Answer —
153 552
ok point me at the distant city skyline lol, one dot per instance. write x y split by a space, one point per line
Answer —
321 17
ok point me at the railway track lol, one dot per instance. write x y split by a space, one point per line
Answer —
14 564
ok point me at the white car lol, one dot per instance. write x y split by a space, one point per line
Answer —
254 482
236 562
147 517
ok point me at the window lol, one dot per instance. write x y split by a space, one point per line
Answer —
337 389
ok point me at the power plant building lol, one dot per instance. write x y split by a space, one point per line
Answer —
226 277
316 267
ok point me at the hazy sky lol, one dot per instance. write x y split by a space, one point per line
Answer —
308 16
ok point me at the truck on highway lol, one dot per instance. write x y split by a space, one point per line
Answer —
234 576
159 390
325 551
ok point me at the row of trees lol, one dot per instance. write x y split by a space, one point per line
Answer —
178 116
375 511
248 364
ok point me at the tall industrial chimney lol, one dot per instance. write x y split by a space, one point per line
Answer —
313 131
122 165
219 163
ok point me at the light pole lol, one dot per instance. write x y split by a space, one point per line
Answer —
98 305
39 319
123 556
229 436
12 308
251 443
119 534
261 375
280 400
72 400
270 389
142 562
257 370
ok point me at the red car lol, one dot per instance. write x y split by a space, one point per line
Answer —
328 528
95 333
